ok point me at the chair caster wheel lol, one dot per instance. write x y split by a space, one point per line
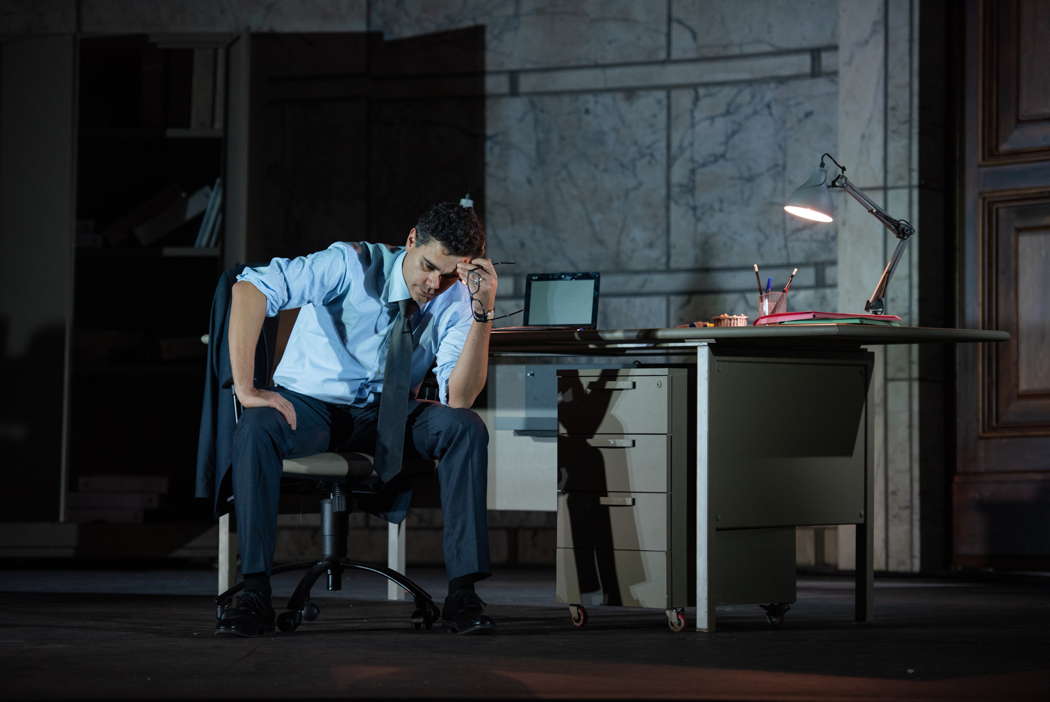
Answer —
310 611
289 621
578 616
676 619
775 612
425 614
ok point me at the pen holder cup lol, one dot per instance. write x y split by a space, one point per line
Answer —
772 303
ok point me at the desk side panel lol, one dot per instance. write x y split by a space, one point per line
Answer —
787 441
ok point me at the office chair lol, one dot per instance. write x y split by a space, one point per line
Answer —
345 477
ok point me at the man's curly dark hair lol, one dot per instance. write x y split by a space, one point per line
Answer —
455 227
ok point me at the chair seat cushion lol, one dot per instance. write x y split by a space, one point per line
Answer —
351 465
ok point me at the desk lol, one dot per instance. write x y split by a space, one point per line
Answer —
783 430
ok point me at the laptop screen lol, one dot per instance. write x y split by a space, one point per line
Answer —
561 299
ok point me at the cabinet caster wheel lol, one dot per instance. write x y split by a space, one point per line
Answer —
289 621
578 616
775 612
676 619
310 611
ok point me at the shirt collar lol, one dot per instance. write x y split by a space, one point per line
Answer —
396 289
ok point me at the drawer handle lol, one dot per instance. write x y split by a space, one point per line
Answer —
612 385
616 501
611 443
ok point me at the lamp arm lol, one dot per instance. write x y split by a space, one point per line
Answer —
876 304
902 229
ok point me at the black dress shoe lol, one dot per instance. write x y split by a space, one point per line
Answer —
253 615
464 613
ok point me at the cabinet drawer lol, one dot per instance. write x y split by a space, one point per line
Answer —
603 463
612 404
617 520
639 577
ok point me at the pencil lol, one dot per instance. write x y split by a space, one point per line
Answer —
790 278
758 280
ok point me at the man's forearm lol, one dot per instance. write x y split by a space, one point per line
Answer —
471 371
247 312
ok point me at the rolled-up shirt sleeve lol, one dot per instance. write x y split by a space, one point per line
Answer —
451 347
293 282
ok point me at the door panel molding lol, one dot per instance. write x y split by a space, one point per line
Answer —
1014 238
1015 100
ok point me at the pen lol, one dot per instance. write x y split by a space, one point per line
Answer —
758 280
790 278
503 263
769 284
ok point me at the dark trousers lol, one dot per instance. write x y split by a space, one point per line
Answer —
456 438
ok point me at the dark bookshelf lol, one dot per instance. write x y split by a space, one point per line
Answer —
143 289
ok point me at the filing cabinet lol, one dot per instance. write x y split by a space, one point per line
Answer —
625 459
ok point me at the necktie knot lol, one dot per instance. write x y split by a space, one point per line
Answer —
404 310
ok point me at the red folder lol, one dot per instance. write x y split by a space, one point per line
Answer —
812 314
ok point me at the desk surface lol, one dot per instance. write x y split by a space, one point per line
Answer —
835 335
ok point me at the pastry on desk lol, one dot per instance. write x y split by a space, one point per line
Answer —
722 320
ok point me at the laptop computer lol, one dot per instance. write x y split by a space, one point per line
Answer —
560 301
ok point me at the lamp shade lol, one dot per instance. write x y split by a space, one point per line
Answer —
812 200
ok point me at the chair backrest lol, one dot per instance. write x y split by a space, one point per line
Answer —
285 323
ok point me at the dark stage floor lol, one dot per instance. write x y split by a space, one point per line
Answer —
148 634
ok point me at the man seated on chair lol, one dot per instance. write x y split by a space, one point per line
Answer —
365 308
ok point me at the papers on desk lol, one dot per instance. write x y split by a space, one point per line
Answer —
815 317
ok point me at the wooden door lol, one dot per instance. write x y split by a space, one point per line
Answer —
1001 488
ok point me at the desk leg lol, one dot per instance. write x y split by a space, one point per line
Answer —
227 555
705 603
395 558
865 540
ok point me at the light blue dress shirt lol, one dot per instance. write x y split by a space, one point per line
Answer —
337 349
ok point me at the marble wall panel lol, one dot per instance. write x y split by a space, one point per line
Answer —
902 294
632 312
900 472
719 27
21 17
829 61
862 91
862 251
736 151
811 299
177 16
902 93
878 404
691 308
577 182
692 281
538 33
649 75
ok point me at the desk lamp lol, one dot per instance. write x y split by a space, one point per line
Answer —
812 201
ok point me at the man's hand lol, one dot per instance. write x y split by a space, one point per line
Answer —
481 280
268 398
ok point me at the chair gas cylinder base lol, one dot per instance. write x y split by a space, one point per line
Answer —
339 473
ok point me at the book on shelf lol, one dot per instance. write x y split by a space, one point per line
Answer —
84 515
211 216
120 230
213 240
113 500
123 483
817 317
182 210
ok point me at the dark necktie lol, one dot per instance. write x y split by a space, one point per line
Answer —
393 403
